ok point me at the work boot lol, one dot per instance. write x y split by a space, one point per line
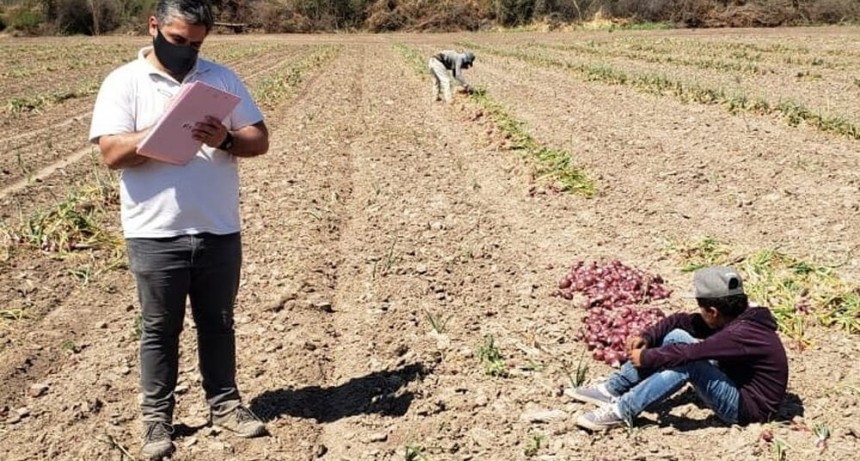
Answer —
156 440
240 421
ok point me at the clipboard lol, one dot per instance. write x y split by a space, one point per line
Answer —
170 139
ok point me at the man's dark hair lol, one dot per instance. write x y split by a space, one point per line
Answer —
191 11
730 306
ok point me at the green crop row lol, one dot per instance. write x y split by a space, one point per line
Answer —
239 51
749 52
275 89
664 58
550 163
794 113
38 102
796 291
74 223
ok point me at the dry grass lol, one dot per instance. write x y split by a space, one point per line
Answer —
796 291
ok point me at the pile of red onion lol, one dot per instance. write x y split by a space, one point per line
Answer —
618 298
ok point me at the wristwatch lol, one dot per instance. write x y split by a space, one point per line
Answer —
227 144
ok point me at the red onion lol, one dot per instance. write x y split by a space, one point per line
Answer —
617 297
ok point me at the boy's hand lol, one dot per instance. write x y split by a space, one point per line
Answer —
635 346
636 357
635 342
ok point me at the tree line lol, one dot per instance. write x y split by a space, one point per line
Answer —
95 17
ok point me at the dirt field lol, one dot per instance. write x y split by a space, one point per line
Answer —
387 237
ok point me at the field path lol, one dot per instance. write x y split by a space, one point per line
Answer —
668 169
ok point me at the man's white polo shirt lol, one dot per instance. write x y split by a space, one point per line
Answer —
162 200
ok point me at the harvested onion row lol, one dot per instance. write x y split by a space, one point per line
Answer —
617 297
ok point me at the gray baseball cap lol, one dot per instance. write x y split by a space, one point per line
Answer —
717 282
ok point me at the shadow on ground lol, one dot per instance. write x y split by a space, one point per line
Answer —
376 393
791 406
184 430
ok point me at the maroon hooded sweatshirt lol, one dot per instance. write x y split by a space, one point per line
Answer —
747 349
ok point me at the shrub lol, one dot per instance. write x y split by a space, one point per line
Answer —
24 19
102 16
274 18
557 10
513 12
833 11
444 15
79 17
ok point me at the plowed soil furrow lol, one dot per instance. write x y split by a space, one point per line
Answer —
63 132
20 201
836 53
54 76
433 239
296 222
54 116
751 58
27 77
766 183
34 156
833 97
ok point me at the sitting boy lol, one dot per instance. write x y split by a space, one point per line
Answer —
728 351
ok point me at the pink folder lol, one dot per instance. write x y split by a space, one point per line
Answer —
170 140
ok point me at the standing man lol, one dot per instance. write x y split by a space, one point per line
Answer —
455 62
181 223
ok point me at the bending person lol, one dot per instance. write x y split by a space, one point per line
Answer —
449 61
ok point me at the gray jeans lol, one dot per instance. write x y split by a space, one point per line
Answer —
205 269
441 80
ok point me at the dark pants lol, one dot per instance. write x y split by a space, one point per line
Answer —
205 269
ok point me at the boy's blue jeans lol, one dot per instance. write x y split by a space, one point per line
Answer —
203 269
637 389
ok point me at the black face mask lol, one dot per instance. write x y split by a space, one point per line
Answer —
177 59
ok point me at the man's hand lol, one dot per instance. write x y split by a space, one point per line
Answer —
210 132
